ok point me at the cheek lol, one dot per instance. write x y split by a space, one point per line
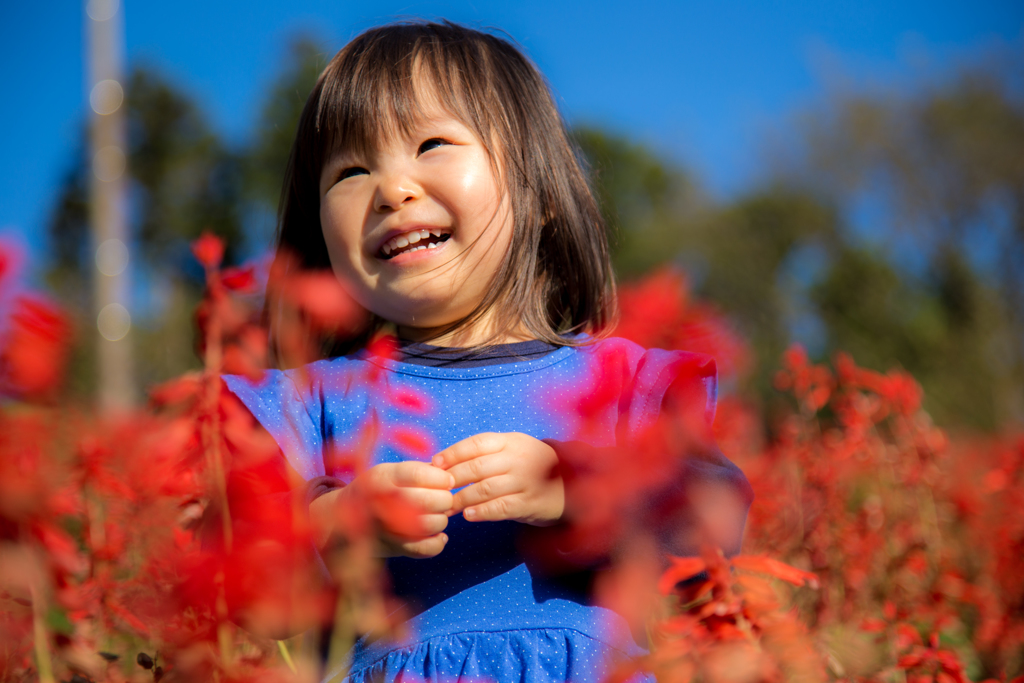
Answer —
491 216
472 187
339 235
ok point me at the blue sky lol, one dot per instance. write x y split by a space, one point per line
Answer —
702 82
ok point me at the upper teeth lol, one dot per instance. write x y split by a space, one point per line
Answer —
407 238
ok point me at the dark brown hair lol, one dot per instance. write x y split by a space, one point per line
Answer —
556 278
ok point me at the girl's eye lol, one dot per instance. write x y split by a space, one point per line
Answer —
431 144
351 171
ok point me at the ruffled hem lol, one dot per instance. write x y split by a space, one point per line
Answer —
539 655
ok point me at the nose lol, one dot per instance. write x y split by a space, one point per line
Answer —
395 189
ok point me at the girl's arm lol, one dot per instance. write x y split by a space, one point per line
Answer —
682 502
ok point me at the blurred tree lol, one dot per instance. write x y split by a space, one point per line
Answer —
737 253
71 269
941 329
275 130
945 162
753 248
785 251
185 179
645 200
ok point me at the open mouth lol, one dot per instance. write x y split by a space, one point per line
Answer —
414 240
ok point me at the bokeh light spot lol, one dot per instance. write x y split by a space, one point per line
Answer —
106 97
101 10
114 322
109 163
112 257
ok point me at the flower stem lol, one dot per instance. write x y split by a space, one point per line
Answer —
286 656
41 638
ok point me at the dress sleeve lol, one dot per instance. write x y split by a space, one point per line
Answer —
291 412
672 375
674 397
665 477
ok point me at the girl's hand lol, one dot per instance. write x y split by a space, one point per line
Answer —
513 476
410 501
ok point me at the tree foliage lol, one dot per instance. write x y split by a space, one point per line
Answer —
943 164
185 180
646 202
938 287
267 156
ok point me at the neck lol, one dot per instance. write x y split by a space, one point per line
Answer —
475 334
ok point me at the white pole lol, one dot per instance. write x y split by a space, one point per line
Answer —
108 153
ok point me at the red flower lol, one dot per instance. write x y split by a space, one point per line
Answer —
10 259
326 304
208 250
412 401
413 442
682 568
657 312
34 352
767 565
239 279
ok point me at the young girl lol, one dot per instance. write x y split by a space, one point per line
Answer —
432 174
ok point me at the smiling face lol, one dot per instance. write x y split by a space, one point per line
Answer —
419 226
477 163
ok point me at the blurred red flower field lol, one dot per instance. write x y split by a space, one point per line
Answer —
878 548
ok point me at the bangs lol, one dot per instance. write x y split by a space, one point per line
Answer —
373 90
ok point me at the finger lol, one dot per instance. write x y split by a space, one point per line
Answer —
483 491
401 510
424 547
421 475
430 525
402 524
480 468
469 448
428 500
506 507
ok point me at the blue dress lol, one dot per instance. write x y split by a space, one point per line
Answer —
480 611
